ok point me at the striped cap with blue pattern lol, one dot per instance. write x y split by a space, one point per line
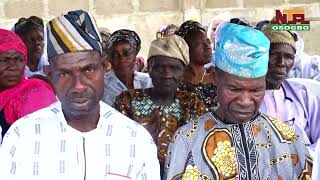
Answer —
72 32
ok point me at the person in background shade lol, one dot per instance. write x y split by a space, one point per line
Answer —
197 78
122 49
31 31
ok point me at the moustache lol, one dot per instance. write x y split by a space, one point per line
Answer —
75 95
243 110
169 81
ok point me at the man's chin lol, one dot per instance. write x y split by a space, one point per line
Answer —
274 84
80 113
243 117
167 90
243 120
80 108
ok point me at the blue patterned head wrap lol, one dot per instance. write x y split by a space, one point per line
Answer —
242 51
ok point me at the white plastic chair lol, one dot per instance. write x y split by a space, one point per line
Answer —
312 85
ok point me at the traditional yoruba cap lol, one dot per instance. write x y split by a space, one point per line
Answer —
280 37
242 51
124 35
72 32
172 46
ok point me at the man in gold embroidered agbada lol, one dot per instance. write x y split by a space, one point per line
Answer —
236 141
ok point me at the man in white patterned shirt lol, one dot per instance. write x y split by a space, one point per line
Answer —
78 137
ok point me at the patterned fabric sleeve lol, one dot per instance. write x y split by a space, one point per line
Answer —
10 167
192 105
176 158
295 155
123 103
301 160
199 108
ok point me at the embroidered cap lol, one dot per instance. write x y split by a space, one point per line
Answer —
171 46
280 37
241 51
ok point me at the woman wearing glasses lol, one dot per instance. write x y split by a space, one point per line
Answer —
122 48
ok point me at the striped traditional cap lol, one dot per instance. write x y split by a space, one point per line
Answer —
71 32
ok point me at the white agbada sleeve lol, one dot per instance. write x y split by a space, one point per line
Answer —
9 166
150 164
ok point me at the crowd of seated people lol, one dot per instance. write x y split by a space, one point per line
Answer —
208 102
